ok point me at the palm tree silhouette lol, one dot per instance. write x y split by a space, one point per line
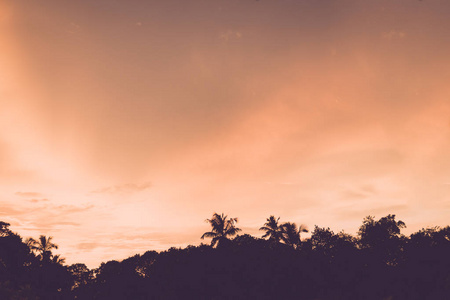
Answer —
291 235
57 259
222 228
272 229
43 246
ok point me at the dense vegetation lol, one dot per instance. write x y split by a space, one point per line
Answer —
379 263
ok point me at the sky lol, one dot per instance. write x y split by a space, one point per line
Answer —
125 124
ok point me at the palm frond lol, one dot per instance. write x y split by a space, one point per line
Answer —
266 235
214 241
265 228
209 235
57 259
31 243
232 231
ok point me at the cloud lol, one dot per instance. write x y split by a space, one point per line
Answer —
354 195
50 224
393 35
88 246
7 210
359 193
72 208
38 200
155 235
124 188
46 208
28 194
42 216
277 109
230 35
138 242
349 213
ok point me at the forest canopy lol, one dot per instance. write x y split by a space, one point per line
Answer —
378 263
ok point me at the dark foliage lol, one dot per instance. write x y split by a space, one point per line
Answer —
380 263
23 275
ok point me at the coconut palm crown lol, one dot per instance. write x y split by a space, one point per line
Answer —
222 228
291 235
273 229
43 246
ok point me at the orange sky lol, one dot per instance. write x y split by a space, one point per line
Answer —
125 124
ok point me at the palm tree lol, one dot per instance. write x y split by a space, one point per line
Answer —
222 228
291 235
272 229
43 246
57 259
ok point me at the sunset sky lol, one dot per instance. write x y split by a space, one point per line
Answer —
124 124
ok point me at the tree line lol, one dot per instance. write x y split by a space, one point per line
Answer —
378 263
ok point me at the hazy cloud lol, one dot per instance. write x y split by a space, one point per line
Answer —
215 100
28 194
10 210
67 209
124 188
230 35
51 224
348 212
42 215
89 246
141 241
393 34
38 200
361 193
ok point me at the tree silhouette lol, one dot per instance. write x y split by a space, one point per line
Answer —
374 232
4 229
43 246
81 274
272 229
222 228
380 263
57 259
15 256
291 235
382 239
